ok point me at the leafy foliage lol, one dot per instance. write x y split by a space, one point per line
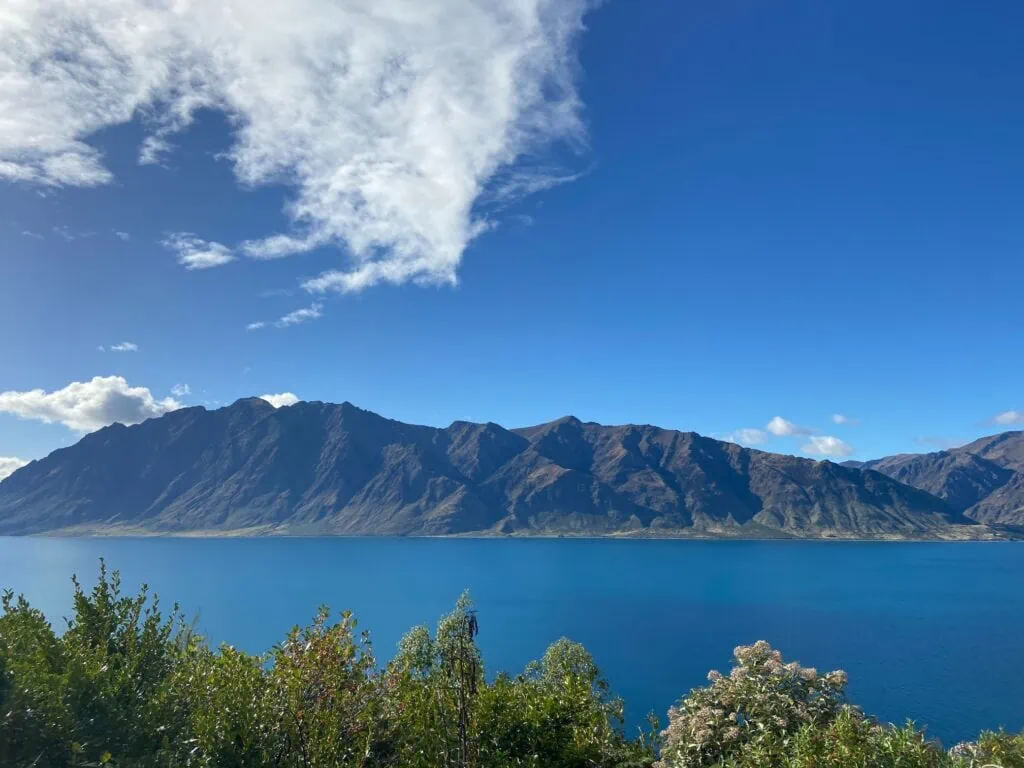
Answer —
757 708
123 685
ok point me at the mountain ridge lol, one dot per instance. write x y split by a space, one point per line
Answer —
984 479
337 469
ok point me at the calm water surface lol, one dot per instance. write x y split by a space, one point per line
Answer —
933 632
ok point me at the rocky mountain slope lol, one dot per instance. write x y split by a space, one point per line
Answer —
983 479
336 469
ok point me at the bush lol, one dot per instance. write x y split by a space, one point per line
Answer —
125 686
68 699
757 708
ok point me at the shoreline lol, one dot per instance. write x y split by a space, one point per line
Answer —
987 535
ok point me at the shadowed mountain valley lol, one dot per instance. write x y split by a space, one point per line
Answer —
983 479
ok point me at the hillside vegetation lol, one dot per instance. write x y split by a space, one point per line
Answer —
125 685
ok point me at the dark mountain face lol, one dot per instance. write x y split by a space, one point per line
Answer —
324 468
984 479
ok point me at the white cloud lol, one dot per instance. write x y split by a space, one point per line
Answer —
395 122
29 233
826 445
8 465
839 418
88 405
124 346
780 427
153 150
181 390
194 253
1007 418
746 437
281 400
312 312
122 235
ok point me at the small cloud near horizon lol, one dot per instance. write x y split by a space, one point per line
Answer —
781 427
9 465
842 419
1008 418
749 436
827 446
85 406
281 400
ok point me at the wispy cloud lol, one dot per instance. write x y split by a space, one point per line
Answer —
780 427
390 119
87 405
10 464
124 346
746 437
312 312
195 253
122 235
28 233
282 400
844 420
1008 418
828 446
65 233
181 390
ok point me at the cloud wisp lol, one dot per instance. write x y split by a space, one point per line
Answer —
394 123
196 253
1008 418
746 437
85 406
313 312
281 400
827 446
9 465
815 445
781 427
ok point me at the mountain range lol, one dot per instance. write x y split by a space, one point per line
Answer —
328 469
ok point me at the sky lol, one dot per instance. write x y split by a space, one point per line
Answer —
796 225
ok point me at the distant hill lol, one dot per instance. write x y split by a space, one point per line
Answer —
336 469
983 479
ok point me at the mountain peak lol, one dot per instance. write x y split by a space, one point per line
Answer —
251 402
338 469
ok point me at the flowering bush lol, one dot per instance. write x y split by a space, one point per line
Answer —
761 704
124 687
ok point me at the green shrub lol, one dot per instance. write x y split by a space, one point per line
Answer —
758 707
124 686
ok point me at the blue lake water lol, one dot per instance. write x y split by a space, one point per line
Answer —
933 632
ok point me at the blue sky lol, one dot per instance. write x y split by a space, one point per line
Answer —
698 215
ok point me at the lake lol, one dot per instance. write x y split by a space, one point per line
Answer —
933 632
